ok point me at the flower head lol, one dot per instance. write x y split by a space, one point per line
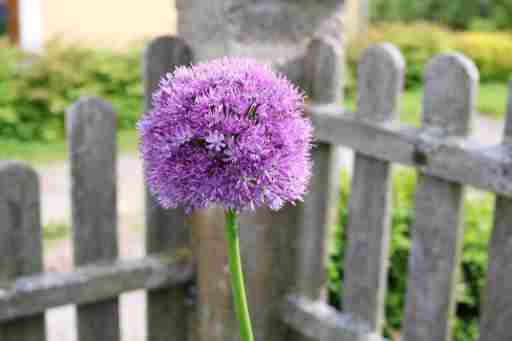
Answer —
227 132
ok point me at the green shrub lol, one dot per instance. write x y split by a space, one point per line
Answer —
419 42
474 260
459 14
36 90
489 51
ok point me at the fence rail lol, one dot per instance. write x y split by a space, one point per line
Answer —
285 249
93 283
430 150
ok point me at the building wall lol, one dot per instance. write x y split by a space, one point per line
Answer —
355 17
116 23
106 23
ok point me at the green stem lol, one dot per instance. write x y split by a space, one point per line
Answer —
237 277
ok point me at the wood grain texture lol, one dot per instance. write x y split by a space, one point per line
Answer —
167 311
324 83
20 241
91 127
320 322
450 90
497 300
381 74
216 320
429 150
31 295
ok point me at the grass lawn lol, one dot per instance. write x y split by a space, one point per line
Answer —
492 99
36 153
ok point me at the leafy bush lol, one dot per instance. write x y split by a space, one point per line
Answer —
460 14
36 90
419 42
474 259
489 51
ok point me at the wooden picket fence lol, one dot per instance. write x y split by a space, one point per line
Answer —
284 251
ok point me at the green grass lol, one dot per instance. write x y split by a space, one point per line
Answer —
36 153
55 231
492 99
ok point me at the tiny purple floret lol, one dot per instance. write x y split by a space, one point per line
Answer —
228 132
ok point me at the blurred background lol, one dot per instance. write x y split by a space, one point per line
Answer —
54 51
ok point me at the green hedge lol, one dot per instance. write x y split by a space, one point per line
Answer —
460 14
478 220
419 42
35 91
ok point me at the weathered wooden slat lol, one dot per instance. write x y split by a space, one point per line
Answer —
167 312
496 317
318 321
324 84
31 295
310 220
450 90
381 73
20 241
484 167
91 126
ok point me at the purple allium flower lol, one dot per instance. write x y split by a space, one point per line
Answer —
227 132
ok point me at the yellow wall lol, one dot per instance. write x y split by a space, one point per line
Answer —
116 23
352 21
106 23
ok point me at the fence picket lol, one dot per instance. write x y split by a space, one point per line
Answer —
167 312
20 241
451 83
91 128
381 74
497 301
308 222
324 82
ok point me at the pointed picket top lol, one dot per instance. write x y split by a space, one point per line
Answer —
381 79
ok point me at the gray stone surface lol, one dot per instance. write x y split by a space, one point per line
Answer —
263 28
274 31
302 39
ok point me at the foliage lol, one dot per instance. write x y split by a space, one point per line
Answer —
490 52
36 90
478 219
419 42
459 14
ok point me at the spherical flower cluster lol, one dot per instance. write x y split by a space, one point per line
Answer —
228 132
